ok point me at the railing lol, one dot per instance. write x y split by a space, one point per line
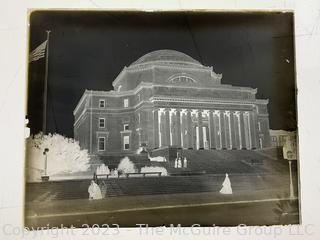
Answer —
188 173
144 174
95 176
127 175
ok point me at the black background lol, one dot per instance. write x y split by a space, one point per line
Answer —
89 49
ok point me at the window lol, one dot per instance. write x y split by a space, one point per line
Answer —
139 97
259 126
126 127
102 103
182 79
101 143
102 123
126 142
126 102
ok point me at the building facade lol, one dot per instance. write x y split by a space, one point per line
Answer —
166 98
280 137
287 140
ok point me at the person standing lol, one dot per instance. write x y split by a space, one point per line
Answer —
185 162
94 191
179 163
226 186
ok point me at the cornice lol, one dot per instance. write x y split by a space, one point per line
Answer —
152 85
203 100
224 87
262 101
83 97
154 65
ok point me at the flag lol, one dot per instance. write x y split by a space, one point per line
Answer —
38 53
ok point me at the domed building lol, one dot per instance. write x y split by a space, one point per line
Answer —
168 99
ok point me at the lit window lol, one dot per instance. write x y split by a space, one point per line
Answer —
102 103
259 126
125 127
126 142
126 102
102 123
101 143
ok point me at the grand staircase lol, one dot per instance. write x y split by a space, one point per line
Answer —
248 171
63 190
226 161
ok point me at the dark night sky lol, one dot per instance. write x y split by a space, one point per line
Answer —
89 49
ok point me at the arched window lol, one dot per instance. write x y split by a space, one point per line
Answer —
182 79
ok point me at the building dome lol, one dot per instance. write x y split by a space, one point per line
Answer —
166 57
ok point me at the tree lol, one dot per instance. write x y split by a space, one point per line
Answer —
126 166
64 156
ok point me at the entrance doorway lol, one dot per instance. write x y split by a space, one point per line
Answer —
205 137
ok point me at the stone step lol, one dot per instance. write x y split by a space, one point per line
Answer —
153 185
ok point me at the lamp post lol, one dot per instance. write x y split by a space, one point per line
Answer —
291 184
289 157
45 178
290 154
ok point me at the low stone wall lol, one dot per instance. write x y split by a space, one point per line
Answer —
78 189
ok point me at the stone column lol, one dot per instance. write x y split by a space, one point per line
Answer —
237 134
173 128
233 130
178 119
251 130
217 127
213 144
254 131
183 129
222 130
227 126
189 129
156 127
167 126
242 131
161 129
200 129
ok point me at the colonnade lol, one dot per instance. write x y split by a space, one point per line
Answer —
205 128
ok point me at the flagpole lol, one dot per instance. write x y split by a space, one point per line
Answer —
45 92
